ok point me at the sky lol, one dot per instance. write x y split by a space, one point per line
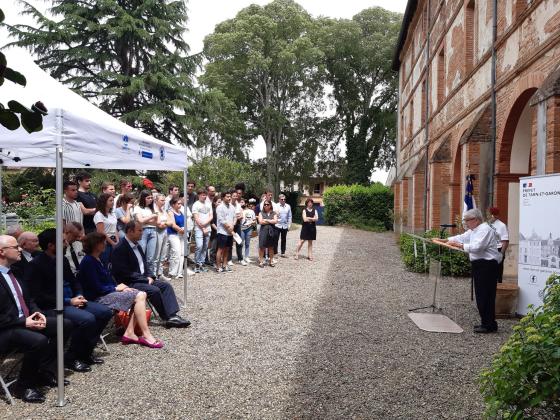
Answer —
204 15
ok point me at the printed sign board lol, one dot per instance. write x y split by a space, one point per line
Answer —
539 237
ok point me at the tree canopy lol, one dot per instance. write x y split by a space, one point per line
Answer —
357 68
129 57
265 62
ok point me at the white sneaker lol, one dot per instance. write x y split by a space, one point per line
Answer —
248 260
230 263
190 272
274 261
243 262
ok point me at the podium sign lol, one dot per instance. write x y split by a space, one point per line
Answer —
539 237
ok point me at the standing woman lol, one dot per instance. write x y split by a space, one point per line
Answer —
100 287
145 214
308 229
175 233
106 223
161 231
123 212
267 236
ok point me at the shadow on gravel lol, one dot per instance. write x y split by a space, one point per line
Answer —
365 359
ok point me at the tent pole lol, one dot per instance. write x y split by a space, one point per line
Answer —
59 264
59 281
185 241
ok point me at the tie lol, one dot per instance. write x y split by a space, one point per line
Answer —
24 307
74 258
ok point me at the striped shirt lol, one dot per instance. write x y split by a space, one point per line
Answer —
71 212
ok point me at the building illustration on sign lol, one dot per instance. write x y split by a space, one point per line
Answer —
538 251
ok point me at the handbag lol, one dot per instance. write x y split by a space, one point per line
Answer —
122 318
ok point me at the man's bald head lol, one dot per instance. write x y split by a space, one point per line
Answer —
28 241
9 250
14 230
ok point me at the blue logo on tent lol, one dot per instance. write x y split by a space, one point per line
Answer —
524 185
125 142
147 155
162 153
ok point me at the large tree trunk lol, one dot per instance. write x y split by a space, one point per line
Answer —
357 165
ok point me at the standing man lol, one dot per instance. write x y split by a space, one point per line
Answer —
202 214
503 237
126 187
88 199
284 212
72 210
479 241
225 220
190 195
25 329
210 194
236 203
173 192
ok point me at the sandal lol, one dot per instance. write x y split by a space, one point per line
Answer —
310 258
261 265
296 256
271 264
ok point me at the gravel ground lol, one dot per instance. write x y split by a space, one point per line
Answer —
322 339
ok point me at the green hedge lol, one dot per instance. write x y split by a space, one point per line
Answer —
360 206
524 380
453 263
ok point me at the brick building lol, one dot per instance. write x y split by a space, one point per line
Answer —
475 102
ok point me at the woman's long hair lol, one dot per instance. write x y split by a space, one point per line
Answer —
102 204
142 200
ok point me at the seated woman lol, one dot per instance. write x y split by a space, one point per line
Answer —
99 286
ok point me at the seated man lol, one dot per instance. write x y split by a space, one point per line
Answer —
25 329
89 318
129 267
29 244
74 253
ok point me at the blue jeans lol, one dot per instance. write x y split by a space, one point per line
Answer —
149 245
201 241
246 236
89 323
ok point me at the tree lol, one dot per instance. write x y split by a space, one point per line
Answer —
30 119
128 56
265 63
357 64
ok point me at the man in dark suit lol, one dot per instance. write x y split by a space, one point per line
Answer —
89 318
24 328
129 266
29 244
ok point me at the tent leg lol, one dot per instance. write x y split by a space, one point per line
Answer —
2 217
59 282
186 244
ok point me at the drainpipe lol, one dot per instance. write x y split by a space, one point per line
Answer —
493 87
427 111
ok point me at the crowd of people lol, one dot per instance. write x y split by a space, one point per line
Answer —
120 253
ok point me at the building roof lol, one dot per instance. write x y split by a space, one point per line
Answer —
408 15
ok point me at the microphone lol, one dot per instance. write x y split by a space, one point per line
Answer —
448 226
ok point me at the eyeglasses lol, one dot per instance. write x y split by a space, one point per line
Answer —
468 220
12 247
267 205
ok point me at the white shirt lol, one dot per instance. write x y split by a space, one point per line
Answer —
480 243
109 222
284 213
502 231
204 212
26 255
4 271
72 212
248 219
137 253
144 212
224 214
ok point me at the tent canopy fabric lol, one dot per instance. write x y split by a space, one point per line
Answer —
89 137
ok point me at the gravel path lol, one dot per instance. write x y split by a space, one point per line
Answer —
322 339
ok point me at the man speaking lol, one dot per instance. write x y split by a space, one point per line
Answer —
480 242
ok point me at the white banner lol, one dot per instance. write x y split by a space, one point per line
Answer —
539 237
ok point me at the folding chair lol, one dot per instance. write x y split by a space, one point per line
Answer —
6 380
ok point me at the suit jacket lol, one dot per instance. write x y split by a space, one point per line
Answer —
19 268
9 314
40 276
125 265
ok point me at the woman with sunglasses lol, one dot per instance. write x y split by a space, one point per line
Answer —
267 236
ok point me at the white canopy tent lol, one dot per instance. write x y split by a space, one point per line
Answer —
76 134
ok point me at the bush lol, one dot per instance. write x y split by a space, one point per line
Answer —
360 206
453 263
524 380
